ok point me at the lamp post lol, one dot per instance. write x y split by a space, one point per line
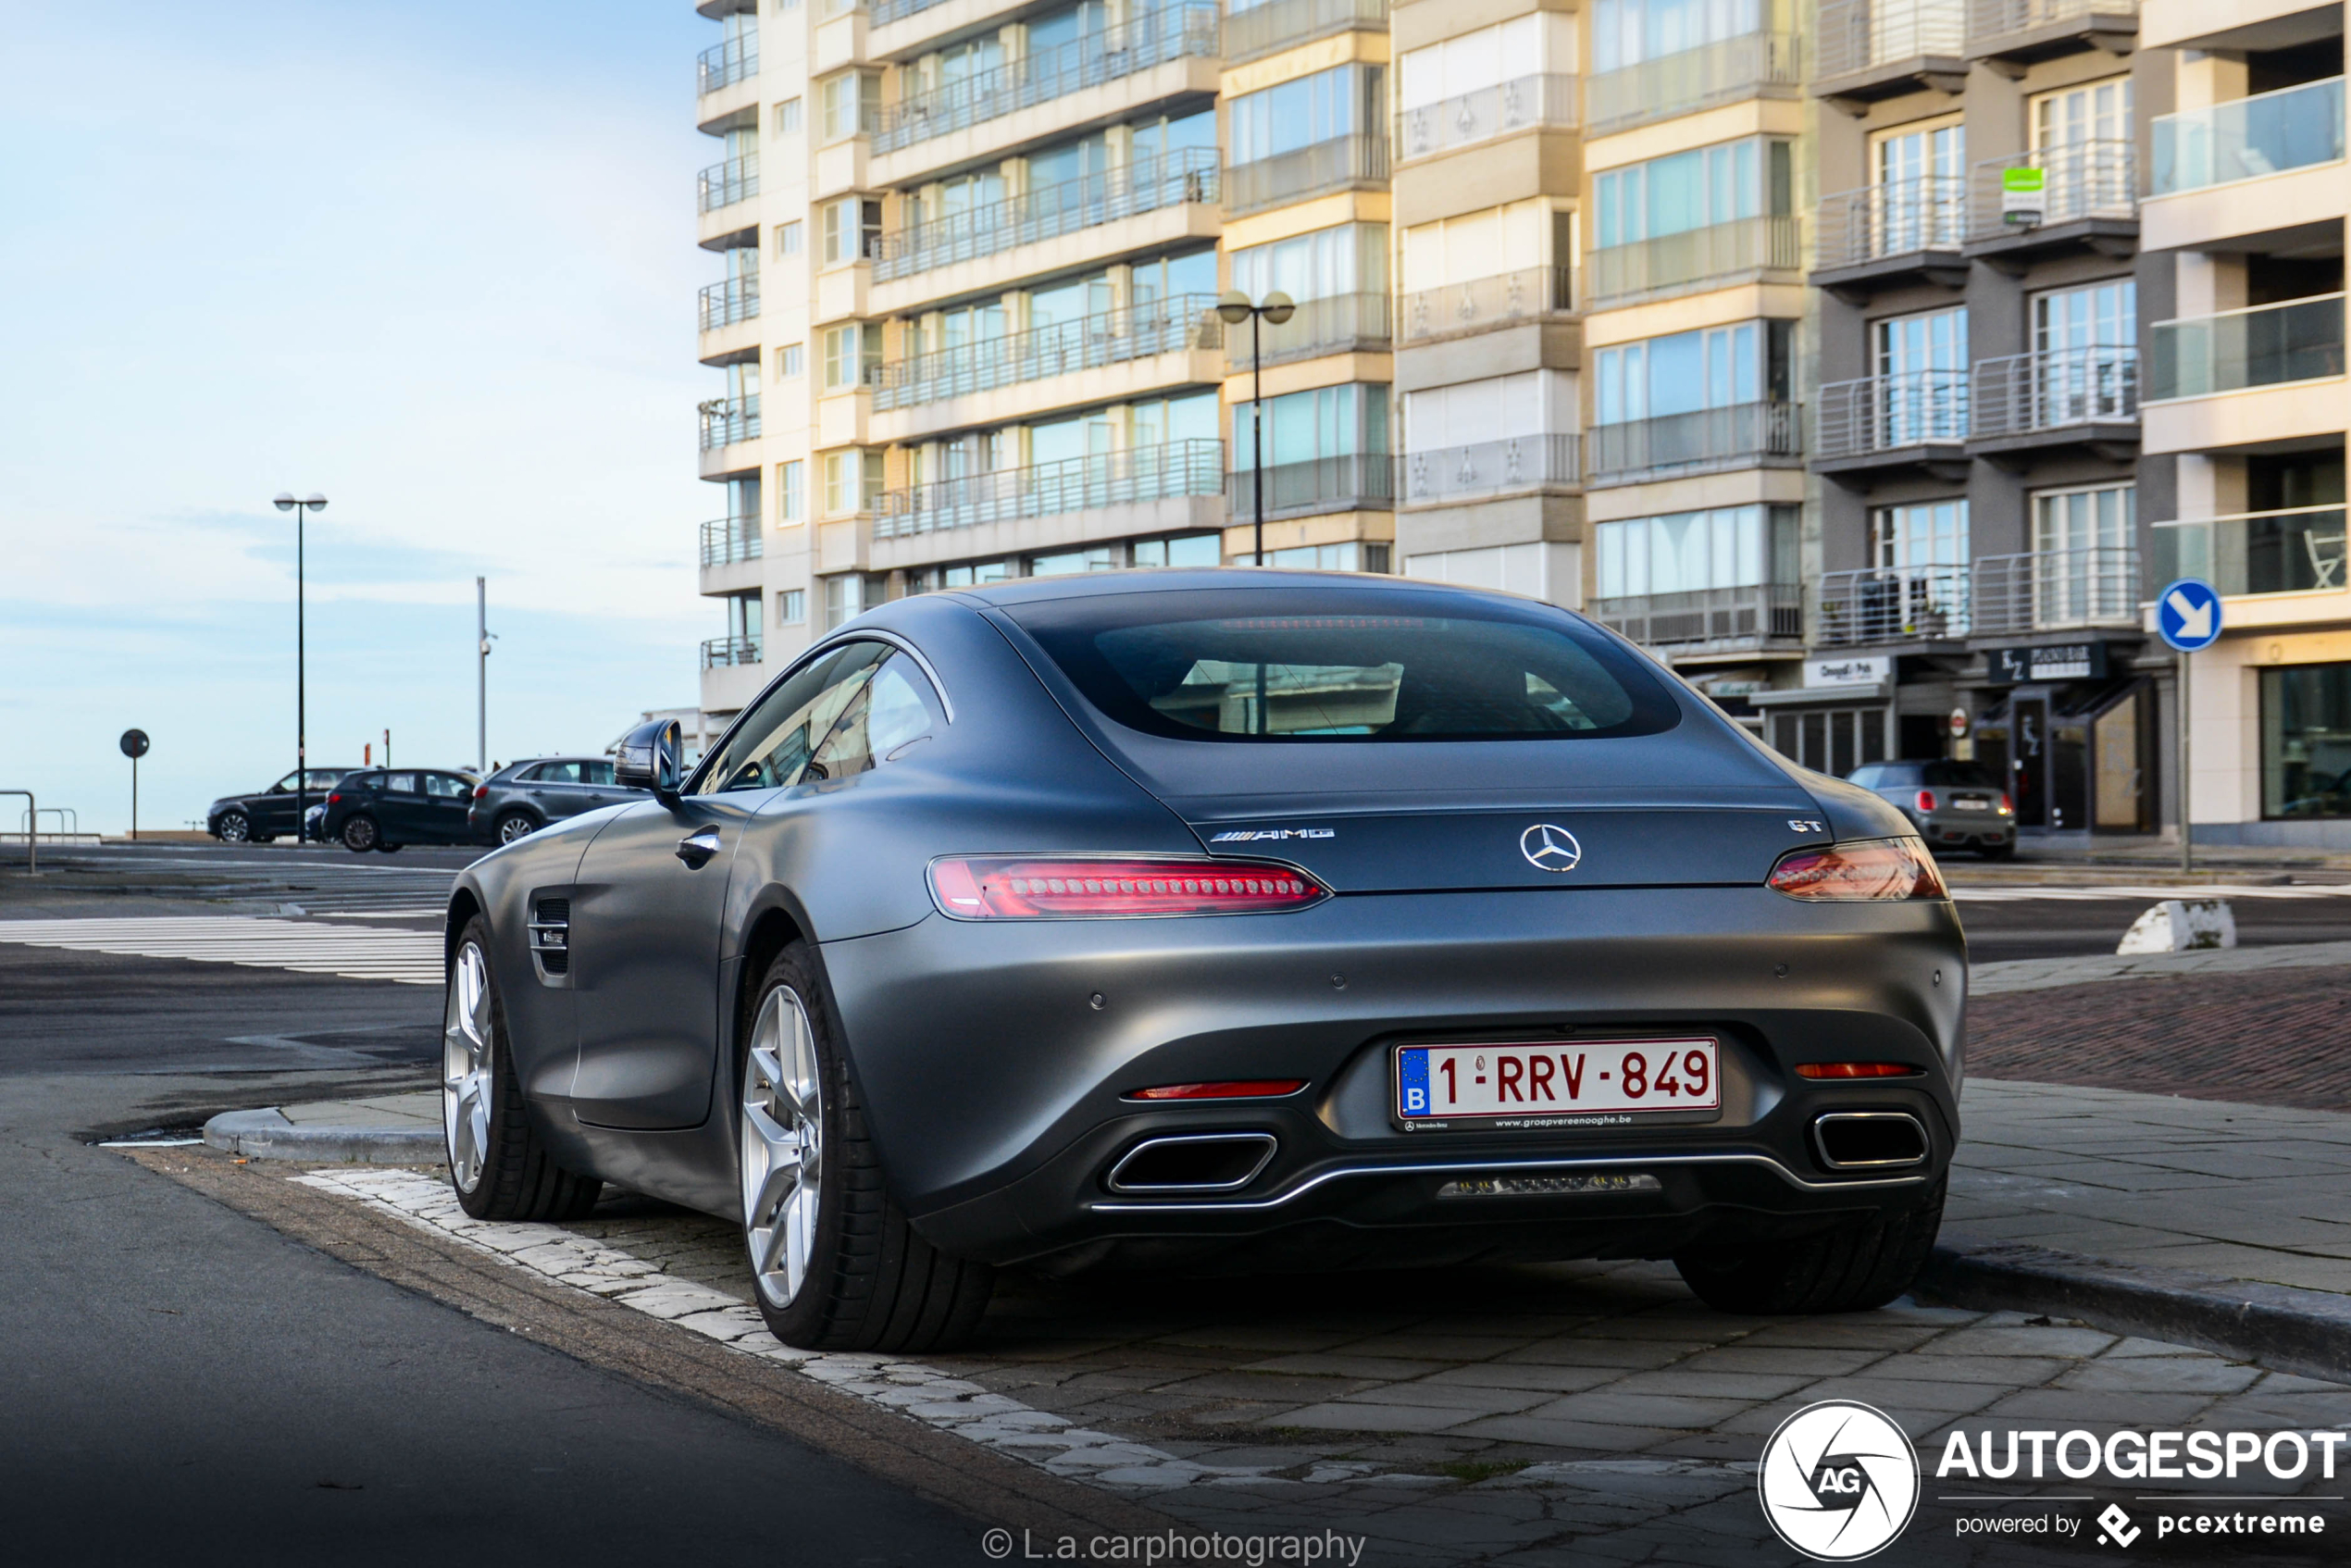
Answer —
1234 309
301 509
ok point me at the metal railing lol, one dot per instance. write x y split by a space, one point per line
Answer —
1859 35
1075 484
2245 138
2054 591
1153 38
729 299
727 541
724 184
2020 393
1488 302
899 10
1926 212
1695 255
1998 18
1886 412
723 64
2261 346
1891 604
720 652
1768 611
1511 465
1130 332
1147 184
1546 99
1690 79
727 420
1319 167
2299 550
2078 179
1281 24
1332 324
1732 437
1356 480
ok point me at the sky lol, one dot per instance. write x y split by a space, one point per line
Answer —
435 261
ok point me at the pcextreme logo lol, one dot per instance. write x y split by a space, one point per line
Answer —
1839 1481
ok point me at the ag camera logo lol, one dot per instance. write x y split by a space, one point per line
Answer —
1839 1481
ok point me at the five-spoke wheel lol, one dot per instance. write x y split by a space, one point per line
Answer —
466 1067
235 827
783 1145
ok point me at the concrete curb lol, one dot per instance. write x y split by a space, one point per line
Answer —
266 1134
2304 1332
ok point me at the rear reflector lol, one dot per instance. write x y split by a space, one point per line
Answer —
1854 1070
1235 1089
1873 869
1103 887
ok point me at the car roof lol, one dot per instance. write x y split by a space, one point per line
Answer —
1164 579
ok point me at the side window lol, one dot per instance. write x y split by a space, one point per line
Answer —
400 783
772 746
596 773
893 711
556 773
1869 778
448 786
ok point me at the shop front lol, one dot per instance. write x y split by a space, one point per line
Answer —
2073 728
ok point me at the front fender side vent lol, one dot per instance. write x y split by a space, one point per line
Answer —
551 935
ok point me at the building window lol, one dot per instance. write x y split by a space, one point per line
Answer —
1325 422
791 479
1693 552
791 606
786 118
844 597
2084 568
1922 366
973 574
2306 741
852 103
1714 368
852 229
1184 550
1931 534
853 481
1320 108
1695 190
791 361
1349 259
852 355
790 238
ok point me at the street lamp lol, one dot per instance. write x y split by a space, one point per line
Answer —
301 509
1234 309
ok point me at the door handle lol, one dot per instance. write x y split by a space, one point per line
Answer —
696 848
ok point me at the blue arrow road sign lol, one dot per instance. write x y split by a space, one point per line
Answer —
2188 614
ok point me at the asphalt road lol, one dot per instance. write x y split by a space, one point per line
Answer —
2073 928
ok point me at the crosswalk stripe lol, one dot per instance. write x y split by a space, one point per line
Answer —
358 953
2150 892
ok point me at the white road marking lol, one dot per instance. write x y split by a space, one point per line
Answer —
357 953
2150 892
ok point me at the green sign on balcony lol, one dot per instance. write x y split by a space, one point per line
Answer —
2020 198
2029 180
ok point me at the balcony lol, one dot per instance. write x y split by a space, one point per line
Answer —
723 64
1153 38
1076 485
1872 49
1514 465
724 184
888 11
728 541
2296 551
729 301
1334 323
1343 163
1897 231
2087 197
2008 35
1752 65
1916 419
2247 138
1483 304
1708 620
1544 102
1051 211
725 653
724 423
1744 435
1881 605
1111 338
2086 396
1282 24
2266 345
1722 252
1356 482
2055 591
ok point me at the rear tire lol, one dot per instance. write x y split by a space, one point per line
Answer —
834 1263
486 1130
1857 1266
516 825
360 834
236 827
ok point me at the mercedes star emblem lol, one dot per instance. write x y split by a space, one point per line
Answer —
1549 848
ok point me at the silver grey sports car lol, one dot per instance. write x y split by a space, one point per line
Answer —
1238 920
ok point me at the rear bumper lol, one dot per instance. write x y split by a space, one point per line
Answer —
1950 829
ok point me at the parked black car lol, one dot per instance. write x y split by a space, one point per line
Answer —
523 797
384 808
265 814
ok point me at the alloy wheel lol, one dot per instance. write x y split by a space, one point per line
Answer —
783 1143
234 828
359 835
465 1067
512 827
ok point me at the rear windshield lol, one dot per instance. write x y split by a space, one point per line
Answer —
1345 665
1958 775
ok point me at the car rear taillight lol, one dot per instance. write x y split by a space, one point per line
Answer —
1926 800
1871 870
482 791
1230 1088
1102 887
333 799
2008 807
1854 1070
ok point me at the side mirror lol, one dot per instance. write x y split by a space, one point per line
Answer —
651 757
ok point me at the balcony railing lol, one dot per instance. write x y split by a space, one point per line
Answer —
2080 179
2296 551
1998 18
2245 138
1676 261
1357 481
2055 591
729 299
1769 612
1280 24
1691 80
1133 332
1318 167
2055 389
727 541
1542 100
1926 212
727 420
724 184
723 64
1076 484
1891 604
1145 185
1738 436
2266 345
899 10
1859 35
720 652
1512 466
1888 413
1482 303
1153 38
1334 323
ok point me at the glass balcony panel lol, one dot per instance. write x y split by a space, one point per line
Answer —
1710 617
1512 466
2245 138
1152 38
1488 302
1314 169
1892 604
2298 551
2268 346
1050 211
1109 338
2022 393
1280 24
1471 117
1696 255
1354 481
1927 212
1680 83
1076 484
1709 438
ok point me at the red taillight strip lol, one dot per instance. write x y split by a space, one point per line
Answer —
1236 1089
1870 871
1855 1070
1114 886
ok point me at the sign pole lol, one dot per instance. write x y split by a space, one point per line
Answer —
134 800
2187 850
2188 617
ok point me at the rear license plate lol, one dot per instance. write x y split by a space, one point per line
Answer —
1971 805
1522 1079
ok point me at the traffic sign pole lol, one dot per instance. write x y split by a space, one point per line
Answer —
2188 617
2187 849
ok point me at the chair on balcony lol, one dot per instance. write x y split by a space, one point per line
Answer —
2326 555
